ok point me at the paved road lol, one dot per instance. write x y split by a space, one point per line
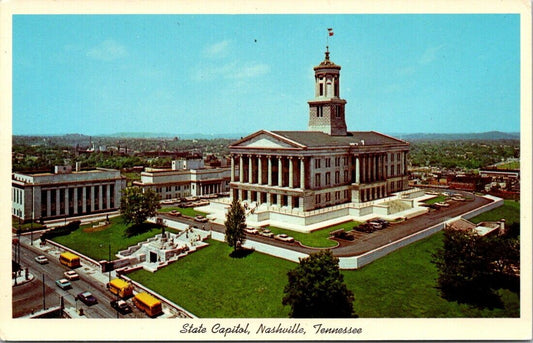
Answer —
365 242
29 296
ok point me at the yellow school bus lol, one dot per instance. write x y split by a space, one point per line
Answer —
148 304
120 287
69 259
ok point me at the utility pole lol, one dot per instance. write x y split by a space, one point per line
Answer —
44 296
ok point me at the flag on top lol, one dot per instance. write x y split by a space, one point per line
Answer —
330 31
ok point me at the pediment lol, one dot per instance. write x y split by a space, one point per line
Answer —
265 140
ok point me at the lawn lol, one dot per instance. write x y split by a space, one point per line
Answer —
403 285
189 211
439 198
510 211
95 243
316 239
211 284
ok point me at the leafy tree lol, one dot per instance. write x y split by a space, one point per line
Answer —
472 267
316 289
136 205
235 224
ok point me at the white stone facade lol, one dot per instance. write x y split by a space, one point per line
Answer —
66 193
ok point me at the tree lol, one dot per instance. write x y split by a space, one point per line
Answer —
316 289
136 205
466 271
235 224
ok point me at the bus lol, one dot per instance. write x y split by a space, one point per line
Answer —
148 304
120 287
69 259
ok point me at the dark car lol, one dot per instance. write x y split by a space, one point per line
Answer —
121 306
87 298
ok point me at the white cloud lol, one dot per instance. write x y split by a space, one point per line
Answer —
430 54
231 71
217 50
108 50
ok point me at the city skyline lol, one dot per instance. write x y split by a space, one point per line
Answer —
217 74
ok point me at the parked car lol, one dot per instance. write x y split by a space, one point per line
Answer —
175 213
121 306
285 238
63 283
71 275
266 233
251 230
87 298
201 219
41 259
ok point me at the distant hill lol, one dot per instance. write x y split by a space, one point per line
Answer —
172 135
491 135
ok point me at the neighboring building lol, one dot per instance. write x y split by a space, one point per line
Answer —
181 181
65 193
323 166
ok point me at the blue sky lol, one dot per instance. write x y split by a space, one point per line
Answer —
186 74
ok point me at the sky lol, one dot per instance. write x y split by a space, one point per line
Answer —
218 74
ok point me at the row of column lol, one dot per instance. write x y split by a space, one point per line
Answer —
212 188
251 170
269 198
370 168
87 199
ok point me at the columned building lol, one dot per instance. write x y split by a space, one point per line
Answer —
65 193
323 166
179 182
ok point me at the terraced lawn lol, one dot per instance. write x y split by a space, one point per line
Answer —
189 211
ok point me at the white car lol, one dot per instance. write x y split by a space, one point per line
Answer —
71 275
266 233
63 284
285 238
251 230
41 259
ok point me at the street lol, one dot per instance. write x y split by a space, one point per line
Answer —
29 297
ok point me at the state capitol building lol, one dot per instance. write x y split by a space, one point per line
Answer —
298 172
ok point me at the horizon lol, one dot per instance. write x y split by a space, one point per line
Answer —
211 74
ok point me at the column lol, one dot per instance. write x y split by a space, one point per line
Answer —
83 199
259 170
232 168
75 200
291 171
302 175
48 202
289 201
100 197
301 203
92 198
58 203
250 169
374 168
357 175
241 169
280 173
363 169
66 202
269 170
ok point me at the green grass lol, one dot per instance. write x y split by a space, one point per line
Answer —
403 285
26 226
189 211
510 211
211 284
439 198
95 244
319 238
509 165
